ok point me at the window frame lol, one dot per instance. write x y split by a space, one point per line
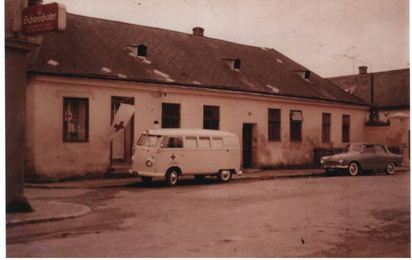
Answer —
296 136
274 125
86 126
345 128
170 118
326 127
213 120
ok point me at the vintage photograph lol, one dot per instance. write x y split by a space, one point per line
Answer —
207 129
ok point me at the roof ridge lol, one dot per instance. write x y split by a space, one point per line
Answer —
369 73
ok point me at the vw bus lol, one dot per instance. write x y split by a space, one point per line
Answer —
171 153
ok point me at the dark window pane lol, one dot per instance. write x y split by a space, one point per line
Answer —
211 117
274 125
345 128
326 122
296 119
170 115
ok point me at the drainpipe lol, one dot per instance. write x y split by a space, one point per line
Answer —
372 88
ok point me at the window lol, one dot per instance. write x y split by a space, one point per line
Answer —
296 126
345 128
274 125
369 149
217 142
173 142
379 149
170 115
326 122
211 117
149 140
75 120
236 64
142 50
204 142
190 142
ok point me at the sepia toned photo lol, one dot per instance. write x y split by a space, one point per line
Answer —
207 129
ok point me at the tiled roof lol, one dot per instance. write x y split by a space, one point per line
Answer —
92 47
391 88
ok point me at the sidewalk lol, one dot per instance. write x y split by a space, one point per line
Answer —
45 211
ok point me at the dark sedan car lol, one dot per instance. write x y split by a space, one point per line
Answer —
361 157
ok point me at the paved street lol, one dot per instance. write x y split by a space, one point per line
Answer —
338 216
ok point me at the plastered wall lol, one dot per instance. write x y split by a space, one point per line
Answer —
48 156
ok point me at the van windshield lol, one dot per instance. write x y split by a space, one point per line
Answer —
149 140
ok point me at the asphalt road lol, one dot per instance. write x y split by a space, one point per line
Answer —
338 216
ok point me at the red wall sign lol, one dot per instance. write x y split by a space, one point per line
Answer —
43 18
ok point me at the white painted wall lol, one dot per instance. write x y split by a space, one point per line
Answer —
48 156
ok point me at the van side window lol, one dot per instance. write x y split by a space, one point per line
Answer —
190 142
217 142
204 142
175 142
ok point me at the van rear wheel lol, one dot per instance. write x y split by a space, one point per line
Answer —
172 176
224 175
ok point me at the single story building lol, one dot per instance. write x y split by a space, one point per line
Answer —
279 109
388 93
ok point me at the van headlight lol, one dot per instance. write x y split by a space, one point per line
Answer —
322 160
149 163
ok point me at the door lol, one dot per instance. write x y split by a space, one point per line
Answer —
121 147
247 145
368 157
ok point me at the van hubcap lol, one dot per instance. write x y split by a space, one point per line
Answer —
173 177
225 175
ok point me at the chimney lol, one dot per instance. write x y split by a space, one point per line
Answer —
198 31
363 70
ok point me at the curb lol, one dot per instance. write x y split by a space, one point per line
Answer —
66 211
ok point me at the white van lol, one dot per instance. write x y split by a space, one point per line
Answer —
171 153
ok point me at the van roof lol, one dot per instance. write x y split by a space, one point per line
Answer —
188 132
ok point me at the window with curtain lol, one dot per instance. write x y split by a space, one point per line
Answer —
296 119
75 120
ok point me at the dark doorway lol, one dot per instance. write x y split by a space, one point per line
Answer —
121 147
247 145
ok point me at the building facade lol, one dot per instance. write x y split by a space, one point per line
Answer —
388 93
279 109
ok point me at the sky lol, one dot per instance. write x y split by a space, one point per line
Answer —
329 37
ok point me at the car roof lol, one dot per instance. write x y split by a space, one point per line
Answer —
188 132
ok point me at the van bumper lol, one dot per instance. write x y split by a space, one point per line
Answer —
239 173
151 174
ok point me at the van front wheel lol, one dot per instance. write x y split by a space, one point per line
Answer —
172 177
224 175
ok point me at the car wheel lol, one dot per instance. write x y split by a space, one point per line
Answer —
390 168
172 177
146 180
353 169
224 175
199 177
